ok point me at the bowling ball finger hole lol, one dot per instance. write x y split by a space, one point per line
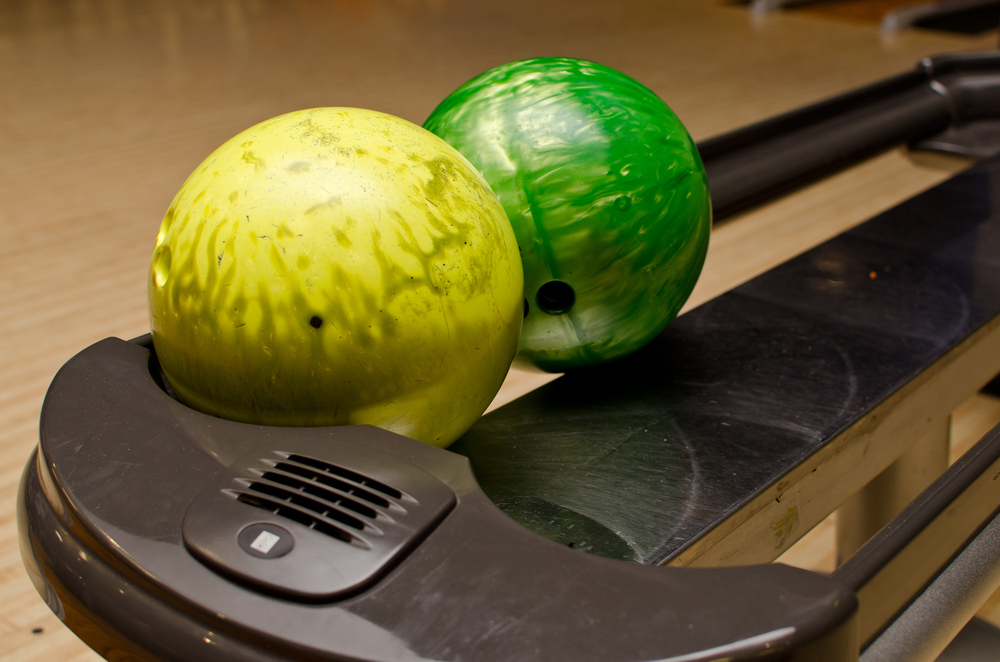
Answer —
555 297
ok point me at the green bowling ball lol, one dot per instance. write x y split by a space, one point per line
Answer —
606 193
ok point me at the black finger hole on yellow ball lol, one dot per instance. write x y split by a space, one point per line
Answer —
555 297
316 322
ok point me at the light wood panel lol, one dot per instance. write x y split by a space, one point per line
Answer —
107 106
817 550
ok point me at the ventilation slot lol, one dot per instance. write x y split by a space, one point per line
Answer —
337 498
352 509
339 502
283 510
327 468
336 487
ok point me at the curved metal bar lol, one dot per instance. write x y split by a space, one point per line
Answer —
924 630
936 553
908 16
756 163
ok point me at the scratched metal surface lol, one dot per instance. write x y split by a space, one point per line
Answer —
634 459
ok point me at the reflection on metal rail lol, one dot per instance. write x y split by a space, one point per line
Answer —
923 631
924 575
907 17
948 103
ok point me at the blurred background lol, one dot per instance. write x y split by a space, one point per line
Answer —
106 106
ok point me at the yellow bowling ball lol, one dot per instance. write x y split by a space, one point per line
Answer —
337 266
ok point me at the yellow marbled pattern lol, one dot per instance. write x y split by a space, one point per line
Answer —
337 266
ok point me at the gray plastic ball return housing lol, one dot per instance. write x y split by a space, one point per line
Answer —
133 508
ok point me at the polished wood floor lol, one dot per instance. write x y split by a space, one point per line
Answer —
106 107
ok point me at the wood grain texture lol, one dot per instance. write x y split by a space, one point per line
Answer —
108 106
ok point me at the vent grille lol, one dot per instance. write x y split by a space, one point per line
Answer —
297 516
352 476
332 500
351 505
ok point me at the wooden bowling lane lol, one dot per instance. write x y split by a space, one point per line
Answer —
108 106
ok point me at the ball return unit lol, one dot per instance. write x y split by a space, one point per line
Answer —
159 533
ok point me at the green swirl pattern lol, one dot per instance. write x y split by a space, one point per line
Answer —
606 193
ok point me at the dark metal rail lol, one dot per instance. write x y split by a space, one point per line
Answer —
756 163
930 546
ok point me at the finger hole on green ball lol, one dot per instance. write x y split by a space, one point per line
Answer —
555 297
